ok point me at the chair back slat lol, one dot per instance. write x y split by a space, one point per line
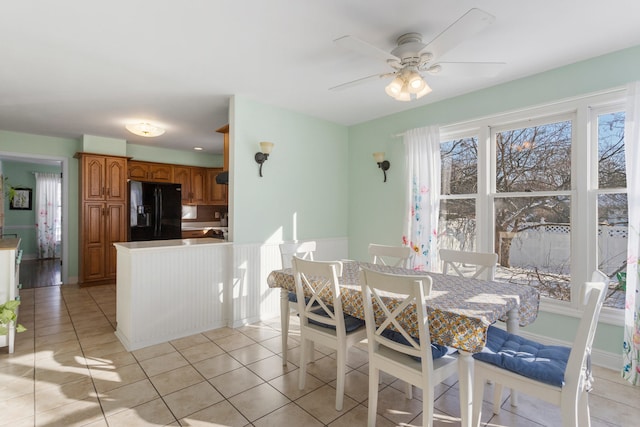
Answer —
317 281
395 256
484 263
381 315
302 250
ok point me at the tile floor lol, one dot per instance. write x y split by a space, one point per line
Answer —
69 369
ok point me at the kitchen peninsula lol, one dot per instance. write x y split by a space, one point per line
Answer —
169 289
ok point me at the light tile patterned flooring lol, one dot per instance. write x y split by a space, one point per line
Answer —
69 369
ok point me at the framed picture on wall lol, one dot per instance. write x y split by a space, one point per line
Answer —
21 199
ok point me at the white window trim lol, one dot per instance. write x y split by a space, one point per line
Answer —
580 110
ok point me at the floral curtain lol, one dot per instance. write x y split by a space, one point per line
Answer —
631 354
47 202
422 177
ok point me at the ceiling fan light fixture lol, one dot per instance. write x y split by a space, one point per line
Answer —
404 94
425 91
415 82
144 129
395 87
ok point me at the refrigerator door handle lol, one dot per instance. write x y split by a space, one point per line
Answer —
160 213
155 212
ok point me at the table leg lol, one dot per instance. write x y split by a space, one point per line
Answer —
513 326
284 322
465 382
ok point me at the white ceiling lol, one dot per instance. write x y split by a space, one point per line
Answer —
73 67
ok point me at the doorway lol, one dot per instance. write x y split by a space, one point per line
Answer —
19 171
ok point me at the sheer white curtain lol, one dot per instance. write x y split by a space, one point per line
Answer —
47 202
422 177
631 355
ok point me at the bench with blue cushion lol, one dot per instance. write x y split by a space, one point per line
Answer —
544 363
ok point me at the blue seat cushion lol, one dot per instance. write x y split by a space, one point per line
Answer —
437 350
544 363
350 323
293 297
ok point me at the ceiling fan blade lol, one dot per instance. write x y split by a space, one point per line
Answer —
356 45
466 26
359 81
466 69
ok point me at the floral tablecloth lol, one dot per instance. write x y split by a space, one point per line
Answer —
460 309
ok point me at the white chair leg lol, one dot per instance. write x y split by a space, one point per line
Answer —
497 398
408 390
284 322
341 361
584 417
303 364
374 377
428 396
476 409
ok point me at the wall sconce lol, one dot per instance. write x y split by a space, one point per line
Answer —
263 154
382 163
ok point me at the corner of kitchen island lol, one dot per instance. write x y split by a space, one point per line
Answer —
170 289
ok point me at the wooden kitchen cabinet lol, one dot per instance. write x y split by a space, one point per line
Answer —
103 178
216 193
103 215
193 181
150 172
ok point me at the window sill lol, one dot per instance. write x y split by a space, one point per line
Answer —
608 315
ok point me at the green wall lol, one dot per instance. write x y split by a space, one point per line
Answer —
375 210
20 174
303 191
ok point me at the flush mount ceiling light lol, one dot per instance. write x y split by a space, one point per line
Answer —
145 129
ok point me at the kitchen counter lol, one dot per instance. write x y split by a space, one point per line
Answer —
204 229
170 289
175 243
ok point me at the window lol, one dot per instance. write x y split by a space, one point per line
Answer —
611 198
545 189
457 223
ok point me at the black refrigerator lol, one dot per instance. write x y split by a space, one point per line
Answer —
155 211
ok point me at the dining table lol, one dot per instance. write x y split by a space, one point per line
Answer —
460 311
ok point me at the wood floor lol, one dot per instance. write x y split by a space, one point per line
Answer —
39 273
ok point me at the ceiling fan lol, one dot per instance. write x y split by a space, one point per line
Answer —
412 56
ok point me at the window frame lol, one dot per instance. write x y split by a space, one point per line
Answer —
583 112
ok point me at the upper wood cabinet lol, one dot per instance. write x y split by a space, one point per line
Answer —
199 185
193 181
104 178
148 171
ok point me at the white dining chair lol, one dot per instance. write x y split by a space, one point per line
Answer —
395 256
288 250
324 323
458 262
556 374
396 352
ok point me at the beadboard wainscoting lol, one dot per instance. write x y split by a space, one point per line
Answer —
171 290
250 297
